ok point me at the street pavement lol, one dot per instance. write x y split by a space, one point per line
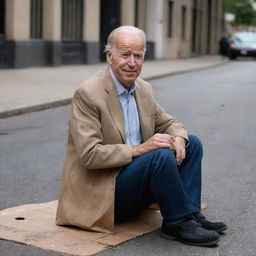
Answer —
217 104
33 89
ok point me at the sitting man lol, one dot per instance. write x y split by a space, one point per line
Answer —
125 152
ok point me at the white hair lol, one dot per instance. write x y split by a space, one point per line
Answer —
111 43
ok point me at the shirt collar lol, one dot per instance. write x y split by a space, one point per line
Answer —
120 88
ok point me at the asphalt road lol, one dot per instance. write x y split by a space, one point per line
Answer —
217 104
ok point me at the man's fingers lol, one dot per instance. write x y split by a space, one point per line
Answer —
162 140
163 144
180 156
179 145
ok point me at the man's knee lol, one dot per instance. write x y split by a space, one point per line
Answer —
163 154
162 159
195 143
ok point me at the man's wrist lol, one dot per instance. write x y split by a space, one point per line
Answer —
181 140
137 150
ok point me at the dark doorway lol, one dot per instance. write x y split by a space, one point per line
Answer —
110 19
2 25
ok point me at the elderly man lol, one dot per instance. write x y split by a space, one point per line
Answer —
125 152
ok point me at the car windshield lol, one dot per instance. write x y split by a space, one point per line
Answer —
245 37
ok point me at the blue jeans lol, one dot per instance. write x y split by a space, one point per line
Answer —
154 177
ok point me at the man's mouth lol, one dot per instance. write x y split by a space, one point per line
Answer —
130 71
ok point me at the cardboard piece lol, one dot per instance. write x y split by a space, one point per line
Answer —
34 224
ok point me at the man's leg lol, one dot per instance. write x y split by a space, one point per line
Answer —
190 173
151 177
154 177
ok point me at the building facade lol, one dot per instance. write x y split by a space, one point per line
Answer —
59 32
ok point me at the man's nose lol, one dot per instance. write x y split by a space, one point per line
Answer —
131 61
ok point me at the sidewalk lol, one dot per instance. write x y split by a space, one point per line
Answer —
33 89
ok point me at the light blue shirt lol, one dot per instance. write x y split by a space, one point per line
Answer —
130 111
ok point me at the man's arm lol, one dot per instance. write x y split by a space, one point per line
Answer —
155 142
169 133
85 127
176 144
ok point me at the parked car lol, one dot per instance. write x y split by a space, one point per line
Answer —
242 44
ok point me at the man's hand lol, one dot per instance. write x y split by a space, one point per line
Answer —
179 148
156 141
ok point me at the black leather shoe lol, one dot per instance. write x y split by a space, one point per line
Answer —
216 226
190 232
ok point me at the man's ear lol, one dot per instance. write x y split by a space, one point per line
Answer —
109 57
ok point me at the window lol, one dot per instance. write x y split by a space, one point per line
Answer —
36 12
72 19
183 22
170 18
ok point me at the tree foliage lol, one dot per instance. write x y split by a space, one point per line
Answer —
243 10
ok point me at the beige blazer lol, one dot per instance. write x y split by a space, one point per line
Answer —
96 150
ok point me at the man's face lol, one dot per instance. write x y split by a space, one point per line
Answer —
127 57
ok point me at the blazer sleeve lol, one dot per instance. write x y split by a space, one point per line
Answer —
85 128
165 123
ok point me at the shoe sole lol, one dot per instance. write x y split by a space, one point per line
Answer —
205 244
220 230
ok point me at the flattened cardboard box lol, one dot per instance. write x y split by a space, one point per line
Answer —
34 225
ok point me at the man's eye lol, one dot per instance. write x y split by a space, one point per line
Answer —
138 56
124 55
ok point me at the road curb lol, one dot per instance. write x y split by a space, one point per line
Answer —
186 71
67 101
35 108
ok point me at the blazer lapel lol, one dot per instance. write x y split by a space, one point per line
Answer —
114 105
